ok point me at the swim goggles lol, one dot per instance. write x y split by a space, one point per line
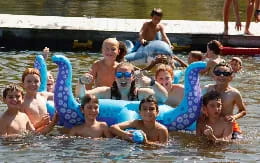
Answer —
123 74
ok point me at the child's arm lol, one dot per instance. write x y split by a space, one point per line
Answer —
156 89
107 132
158 59
241 109
209 133
238 22
118 129
183 64
164 36
141 38
47 128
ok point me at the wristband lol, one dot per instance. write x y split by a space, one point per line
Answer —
152 82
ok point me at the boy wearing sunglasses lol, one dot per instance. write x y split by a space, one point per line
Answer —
230 96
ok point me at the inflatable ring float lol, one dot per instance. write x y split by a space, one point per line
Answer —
116 111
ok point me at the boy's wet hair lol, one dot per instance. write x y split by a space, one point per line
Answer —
212 95
215 46
164 67
30 71
11 88
197 55
150 98
157 12
87 98
223 64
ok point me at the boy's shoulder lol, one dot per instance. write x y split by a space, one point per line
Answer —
160 126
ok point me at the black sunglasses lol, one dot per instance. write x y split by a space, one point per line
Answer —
224 73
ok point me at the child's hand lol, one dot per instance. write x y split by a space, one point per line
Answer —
86 79
45 52
230 118
144 81
128 136
208 131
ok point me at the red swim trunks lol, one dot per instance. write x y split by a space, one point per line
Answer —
236 128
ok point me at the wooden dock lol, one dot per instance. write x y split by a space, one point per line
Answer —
28 32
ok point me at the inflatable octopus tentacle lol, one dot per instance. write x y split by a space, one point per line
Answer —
67 107
40 64
189 109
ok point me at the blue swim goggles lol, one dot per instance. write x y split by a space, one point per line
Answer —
123 74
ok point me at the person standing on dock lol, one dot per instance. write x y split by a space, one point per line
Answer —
226 10
249 13
150 30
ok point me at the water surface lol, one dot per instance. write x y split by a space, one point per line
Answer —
182 146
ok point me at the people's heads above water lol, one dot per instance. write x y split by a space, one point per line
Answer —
164 75
90 105
213 48
13 95
195 56
221 70
149 104
110 48
122 51
124 75
212 103
31 80
236 64
156 15
50 82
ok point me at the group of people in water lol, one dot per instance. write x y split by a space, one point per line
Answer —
113 78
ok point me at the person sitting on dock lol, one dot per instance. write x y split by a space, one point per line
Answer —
91 127
102 72
150 30
213 54
154 133
230 96
211 123
124 87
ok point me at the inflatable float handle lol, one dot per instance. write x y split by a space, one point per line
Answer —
138 136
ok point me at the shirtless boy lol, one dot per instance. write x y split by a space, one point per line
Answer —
34 104
13 122
91 128
154 132
211 123
149 29
230 96
102 72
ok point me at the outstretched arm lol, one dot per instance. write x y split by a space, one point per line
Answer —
165 37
